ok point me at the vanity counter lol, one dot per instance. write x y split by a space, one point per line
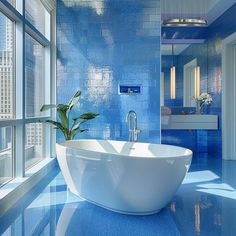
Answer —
193 122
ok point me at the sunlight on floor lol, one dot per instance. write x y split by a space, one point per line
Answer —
200 176
222 189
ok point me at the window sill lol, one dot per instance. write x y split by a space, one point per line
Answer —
17 187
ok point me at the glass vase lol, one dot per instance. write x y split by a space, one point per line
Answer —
198 108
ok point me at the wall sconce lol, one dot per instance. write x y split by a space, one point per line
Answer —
172 76
172 82
197 82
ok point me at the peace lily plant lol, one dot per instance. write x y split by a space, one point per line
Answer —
69 127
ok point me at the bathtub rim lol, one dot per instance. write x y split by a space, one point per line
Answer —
187 155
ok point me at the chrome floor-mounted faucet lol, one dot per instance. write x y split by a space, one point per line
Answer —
132 121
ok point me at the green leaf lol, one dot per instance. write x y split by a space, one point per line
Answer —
47 107
85 117
75 132
83 130
76 119
63 117
74 100
75 127
62 114
57 125
63 107
88 116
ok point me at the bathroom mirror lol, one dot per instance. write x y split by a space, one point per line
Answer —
185 58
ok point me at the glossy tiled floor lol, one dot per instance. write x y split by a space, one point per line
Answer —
205 205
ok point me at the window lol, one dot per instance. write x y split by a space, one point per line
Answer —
35 13
33 144
35 79
6 67
12 2
6 160
24 86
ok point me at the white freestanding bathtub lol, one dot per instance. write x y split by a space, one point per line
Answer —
126 177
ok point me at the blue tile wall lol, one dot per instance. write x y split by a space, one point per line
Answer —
211 81
101 44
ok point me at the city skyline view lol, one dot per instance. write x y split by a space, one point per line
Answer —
34 94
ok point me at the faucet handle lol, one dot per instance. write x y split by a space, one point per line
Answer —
136 131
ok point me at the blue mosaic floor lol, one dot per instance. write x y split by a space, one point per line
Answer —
205 205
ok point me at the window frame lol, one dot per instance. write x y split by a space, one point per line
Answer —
18 123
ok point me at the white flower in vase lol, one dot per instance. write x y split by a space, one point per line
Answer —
204 99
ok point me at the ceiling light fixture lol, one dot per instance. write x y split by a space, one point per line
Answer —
185 12
184 22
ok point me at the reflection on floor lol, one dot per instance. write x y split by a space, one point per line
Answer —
205 205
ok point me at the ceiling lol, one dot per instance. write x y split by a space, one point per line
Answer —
166 49
207 9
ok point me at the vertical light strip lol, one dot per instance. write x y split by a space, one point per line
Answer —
197 73
172 82
195 82
198 81
172 76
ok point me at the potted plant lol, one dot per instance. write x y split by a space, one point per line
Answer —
70 127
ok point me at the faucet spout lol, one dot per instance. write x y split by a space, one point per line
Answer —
132 120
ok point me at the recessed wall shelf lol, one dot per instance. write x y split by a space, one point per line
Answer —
129 89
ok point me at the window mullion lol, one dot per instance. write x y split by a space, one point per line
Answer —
35 34
10 11
47 87
36 119
53 78
20 98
